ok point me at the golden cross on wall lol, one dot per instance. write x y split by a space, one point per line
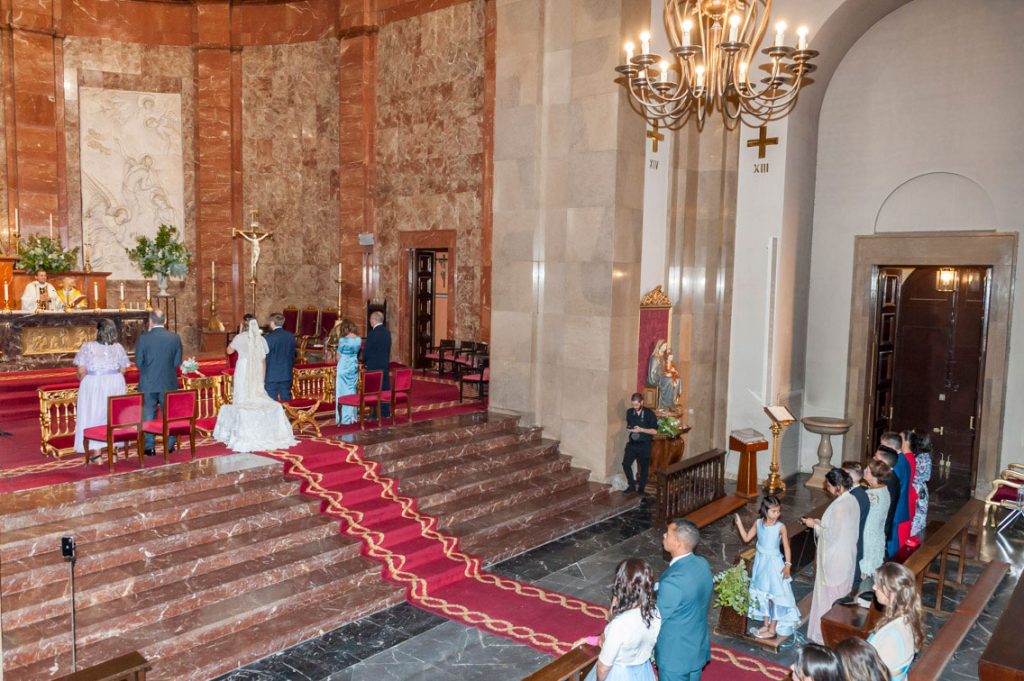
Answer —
763 141
655 136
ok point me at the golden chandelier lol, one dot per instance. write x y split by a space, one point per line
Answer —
714 47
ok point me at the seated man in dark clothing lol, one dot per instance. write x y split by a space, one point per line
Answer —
890 456
641 426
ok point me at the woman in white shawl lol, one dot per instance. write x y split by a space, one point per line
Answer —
252 422
836 556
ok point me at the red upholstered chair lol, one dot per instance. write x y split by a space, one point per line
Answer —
1007 492
480 379
401 391
437 354
181 408
124 424
367 396
308 322
291 318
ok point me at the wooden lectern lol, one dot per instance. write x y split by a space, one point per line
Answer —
748 442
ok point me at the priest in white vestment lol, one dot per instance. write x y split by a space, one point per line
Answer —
41 295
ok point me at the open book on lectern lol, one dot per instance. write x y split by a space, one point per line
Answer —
779 414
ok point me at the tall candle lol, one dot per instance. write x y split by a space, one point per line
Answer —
7 293
17 223
339 272
122 290
147 290
96 293
51 225
213 272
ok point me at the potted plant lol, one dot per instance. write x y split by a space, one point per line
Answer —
46 253
732 596
164 256
670 426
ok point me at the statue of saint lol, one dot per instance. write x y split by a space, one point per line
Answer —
661 371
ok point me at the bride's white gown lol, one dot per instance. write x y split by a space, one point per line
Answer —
252 422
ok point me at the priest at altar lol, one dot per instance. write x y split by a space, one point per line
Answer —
70 296
41 295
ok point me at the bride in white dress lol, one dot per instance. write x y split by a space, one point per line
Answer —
252 422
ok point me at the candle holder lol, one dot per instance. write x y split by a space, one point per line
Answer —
215 324
86 265
121 307
7 304
149 305
96 304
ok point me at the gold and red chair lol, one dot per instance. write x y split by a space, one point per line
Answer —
181 407
124 424
1007 492
313 396
366 397
209 400
291 318
400 391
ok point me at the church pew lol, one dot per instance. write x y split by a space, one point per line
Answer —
573 666
130 667
950 539
1003 658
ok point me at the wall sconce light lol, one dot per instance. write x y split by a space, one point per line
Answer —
945 279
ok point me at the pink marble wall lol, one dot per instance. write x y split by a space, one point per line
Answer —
290 153
101 62
430 147
6 220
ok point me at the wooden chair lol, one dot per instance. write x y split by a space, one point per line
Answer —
464 361
178 419
481 379
291 318
367 395
124 424
209 399
401 391
437 352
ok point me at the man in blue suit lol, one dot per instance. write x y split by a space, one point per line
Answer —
684 596
158 356
377 353
280 359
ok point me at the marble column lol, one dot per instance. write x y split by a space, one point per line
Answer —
568 191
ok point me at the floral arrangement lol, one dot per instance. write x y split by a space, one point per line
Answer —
164 255
670 426
190 366
732 588
45 253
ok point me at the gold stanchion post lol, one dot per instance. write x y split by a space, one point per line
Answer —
781 417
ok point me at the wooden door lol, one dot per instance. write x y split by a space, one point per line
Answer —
890 281
423 307
940 350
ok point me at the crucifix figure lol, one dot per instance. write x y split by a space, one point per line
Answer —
763 141
254 236
655 136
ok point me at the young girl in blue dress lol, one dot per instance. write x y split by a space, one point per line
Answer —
771 590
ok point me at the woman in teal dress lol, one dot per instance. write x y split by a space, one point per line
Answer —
348 370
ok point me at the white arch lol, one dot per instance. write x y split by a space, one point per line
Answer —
936 201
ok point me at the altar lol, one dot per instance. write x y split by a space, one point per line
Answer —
48 340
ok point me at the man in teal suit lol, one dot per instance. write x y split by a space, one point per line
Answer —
684 595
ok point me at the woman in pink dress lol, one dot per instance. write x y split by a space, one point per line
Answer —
101 365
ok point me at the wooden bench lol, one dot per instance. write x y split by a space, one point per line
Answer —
130 667
949 540
696 487
572 666
1003 659
936 656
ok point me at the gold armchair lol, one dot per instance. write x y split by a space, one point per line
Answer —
211 397
1007 492
312 396
58 405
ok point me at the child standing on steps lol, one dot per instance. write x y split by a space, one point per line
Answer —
771 590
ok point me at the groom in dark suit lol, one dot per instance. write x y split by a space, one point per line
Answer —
377 353
280 359
684 595
158 356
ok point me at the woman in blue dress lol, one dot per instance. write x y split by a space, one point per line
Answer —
347 378
771 590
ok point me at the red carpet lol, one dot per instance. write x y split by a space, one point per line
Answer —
443 580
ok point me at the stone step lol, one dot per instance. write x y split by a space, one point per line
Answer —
398 463
173 635
377 444
110 523
26 508
29 572
50 600
116 617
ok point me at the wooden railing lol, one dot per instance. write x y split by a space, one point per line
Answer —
572 666
130 667
690 484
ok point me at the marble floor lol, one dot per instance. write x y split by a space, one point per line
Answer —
404 643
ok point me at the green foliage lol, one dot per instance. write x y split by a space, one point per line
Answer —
163 255
44 253
670 426
732 588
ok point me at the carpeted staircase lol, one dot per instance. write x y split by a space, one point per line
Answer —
209 565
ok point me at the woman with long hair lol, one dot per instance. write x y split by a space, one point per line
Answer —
900 633
347 375
816 663
836 558
629 637
100 364
860 661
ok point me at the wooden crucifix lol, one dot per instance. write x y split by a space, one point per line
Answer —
763 141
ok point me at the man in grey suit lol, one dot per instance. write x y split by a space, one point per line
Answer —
684 595
158 356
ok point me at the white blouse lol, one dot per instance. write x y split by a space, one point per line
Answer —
628 641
